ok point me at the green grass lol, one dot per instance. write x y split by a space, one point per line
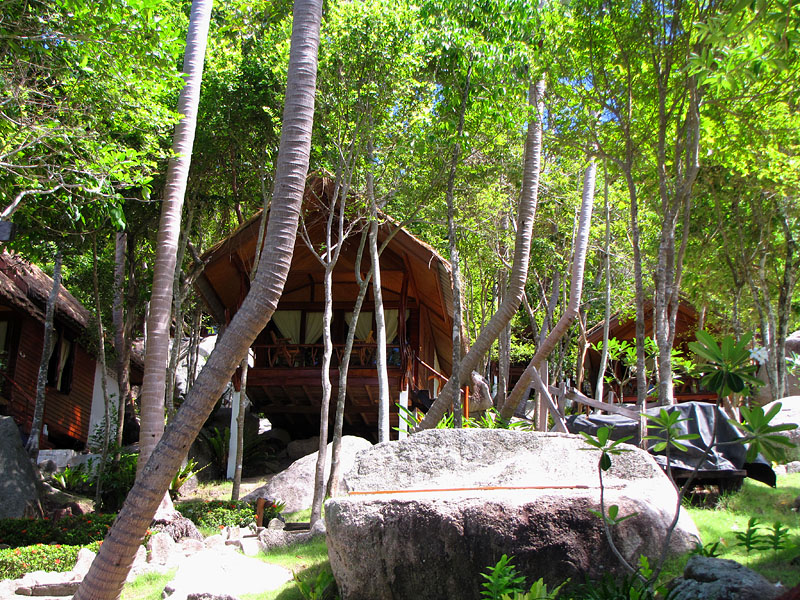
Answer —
148 586
768 505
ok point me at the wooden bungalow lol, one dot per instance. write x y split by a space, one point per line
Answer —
284 382
73 401
622 326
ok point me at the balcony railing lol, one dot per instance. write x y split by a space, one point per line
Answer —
284 354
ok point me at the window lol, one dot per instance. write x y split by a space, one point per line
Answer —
62 359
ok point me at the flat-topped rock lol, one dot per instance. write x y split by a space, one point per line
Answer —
452 502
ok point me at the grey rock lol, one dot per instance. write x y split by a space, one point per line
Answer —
85 560
224 573
176 525
207 596
18 491
276 524
793 467
162 549
295 485
269 539
191 546
494 492
214 541
66 588
719 579
300 448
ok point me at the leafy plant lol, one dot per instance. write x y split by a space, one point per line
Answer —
185 473
217 442
321 587
729 368
668 431
538 591
72 479
15 562
77 530
502 580
710 550
216 514
750 538
608 447
764 438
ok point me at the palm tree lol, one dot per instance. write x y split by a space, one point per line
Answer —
169 229
107 574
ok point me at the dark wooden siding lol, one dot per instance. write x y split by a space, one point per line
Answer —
66 415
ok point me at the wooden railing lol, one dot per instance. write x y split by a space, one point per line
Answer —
289 355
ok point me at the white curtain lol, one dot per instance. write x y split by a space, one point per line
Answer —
65 348
364 325
392 323
313 327
288 323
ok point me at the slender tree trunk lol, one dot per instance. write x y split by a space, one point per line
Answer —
504 341
377 293
607 266
576 287
106 576
101 352
157 346
32 447
519 272
455 263
121 341
335 478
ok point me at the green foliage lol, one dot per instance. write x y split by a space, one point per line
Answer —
319 587
728 368
217 441
116 480
15 562
710 550
610 587
185 473
78 530
612 518
762 437
489 419
776 537
216 514
668 432
502 579
608 447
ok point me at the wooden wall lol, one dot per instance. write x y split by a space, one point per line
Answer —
66 415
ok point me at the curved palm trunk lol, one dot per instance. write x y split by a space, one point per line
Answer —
107 574
169 228
519 272
576 287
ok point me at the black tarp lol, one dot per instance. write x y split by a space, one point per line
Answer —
698 418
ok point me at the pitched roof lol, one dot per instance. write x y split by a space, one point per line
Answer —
26 288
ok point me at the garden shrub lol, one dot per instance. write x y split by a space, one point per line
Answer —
15 562
221 513
77 530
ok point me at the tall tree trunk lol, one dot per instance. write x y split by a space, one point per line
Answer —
169 229
607 267
576 286
377 294
519 272
504 341
121 341
106 576
335 478
32 447
101 356
455 263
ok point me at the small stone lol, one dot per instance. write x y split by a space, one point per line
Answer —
276 524
162 549
214 541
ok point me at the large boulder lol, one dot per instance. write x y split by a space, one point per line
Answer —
18 491
708 578
426 515
295 485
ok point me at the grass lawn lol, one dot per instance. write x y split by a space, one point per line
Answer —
731 514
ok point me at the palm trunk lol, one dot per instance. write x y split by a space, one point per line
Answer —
32 447
157 346
106 576
519 272
576 287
